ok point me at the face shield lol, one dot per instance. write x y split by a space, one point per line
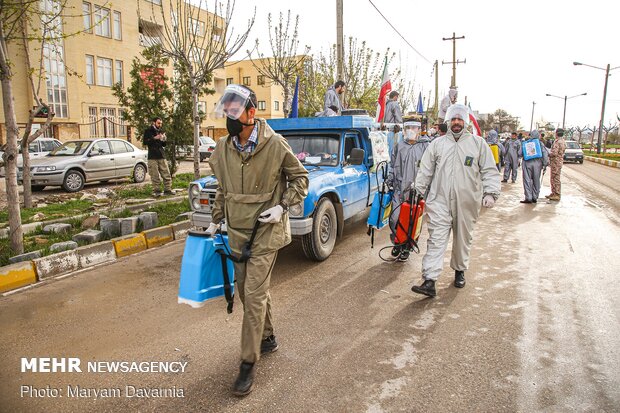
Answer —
458 111
411 130
233 102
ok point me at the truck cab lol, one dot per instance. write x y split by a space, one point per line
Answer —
340 154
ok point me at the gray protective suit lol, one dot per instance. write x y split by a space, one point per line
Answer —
512 150
532 169
459 174
446 102
393 114
492 139
331 99
406 158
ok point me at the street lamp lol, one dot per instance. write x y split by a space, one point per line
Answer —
600 126
565 98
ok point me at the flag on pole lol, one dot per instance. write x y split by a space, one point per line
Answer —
386 88
295 103
420 108
474 121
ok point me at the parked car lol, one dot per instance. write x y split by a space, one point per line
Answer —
37 149
78 162
341 154
207 145
573 152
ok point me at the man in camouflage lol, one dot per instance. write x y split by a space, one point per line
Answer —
556 159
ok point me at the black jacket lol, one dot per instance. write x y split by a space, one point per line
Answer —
155 146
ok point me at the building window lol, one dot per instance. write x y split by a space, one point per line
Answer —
102 21
118 69
92 121
104 72
90 70
229 81
86 12
246 81
261 105
53 59
260 80
155 1
122 127
108 115
202 108
197 26
116 25
276 105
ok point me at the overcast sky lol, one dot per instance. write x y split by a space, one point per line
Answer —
516 51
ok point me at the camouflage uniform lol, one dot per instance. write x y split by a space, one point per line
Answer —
557 158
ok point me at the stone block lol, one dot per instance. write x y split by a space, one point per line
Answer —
63 246
89 236
180 229
56 264
94 254
129 225
111 227
17 275
148 220
25 257
58 228
91 222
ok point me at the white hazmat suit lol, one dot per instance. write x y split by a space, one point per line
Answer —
447 100
460 169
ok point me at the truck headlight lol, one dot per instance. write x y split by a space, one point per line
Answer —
194 190
196 204
45 168
296 210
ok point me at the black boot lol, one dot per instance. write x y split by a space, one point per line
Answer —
459 279
427 288
396 251
268 345
245 379
404 255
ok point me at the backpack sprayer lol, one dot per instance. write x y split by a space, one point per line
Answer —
381 208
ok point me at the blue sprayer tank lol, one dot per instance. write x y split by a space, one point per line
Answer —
202 275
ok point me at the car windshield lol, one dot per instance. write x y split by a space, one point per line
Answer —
572 145
206 140
319 150
72 148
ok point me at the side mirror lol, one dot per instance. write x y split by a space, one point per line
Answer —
357 156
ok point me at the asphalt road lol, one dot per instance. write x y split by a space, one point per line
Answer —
535 329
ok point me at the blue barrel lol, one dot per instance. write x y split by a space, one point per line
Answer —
202 276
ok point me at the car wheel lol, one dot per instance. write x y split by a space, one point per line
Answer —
319 244
37 188
74 181
139 173
581 161
202 157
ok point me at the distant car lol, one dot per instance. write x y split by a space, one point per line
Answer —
78 162
37 149
207 145
573 152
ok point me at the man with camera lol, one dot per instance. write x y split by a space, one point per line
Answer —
155 140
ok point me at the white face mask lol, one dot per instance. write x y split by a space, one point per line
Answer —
432 131
411 135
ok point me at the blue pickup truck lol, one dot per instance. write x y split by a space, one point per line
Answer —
341 154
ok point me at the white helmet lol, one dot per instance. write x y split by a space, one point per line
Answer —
459 111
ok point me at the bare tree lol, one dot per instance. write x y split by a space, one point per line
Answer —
285 63
202 41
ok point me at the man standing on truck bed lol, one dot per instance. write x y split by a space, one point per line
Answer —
259 177
460 169
332 96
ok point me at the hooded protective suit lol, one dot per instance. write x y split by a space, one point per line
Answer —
331 99
460 169
532 169
496 147
512 151
446 102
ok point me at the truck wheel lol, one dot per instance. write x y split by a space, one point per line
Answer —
319 244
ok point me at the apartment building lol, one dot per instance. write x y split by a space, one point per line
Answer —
81 69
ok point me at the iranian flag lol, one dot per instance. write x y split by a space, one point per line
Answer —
386 88
474 121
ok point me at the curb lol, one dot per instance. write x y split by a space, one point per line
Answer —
17 275
607 162
64 263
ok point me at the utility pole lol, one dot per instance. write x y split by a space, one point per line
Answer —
532 120
600 126
339 41
436 107
454 62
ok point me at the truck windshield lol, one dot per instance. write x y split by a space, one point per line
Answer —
319 150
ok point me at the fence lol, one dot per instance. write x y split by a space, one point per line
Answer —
104 127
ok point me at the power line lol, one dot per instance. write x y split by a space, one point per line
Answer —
397 32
